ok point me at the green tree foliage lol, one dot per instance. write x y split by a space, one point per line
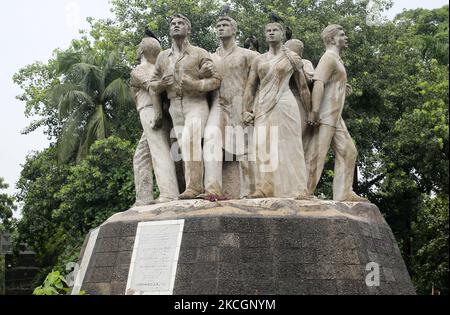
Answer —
98 187
54 284
81 95
7 206
89 97
41 179
133 16
421 134
63 202
36 81
430 262
398 116
430 31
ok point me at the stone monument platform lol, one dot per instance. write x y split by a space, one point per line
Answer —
244 247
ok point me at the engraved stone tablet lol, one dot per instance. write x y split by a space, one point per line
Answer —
85 262
155 258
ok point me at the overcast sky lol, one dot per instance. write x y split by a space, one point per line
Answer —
30 31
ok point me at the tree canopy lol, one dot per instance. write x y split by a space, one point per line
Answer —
398 117
7 206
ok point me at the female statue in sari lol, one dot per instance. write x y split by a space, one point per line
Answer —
273 109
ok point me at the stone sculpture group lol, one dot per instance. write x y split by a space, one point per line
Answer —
273 113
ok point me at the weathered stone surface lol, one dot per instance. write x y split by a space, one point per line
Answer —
111 230
231 180
108 245
106 259
100 275
269 246
260 287
98 288
118 288
120 273
339 217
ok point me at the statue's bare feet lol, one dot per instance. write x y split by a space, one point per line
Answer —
257 195
202 196
353 197
212 197
188 195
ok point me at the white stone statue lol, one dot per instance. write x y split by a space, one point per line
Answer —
233 64
277 119
180 72
153 151
297 46
328 99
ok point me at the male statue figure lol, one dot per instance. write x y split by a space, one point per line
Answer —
298 47
153 152
180 71
328 99
233 64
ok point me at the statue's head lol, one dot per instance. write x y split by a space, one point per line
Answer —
296 46
275 33
148 48
334 35
180 26
226 27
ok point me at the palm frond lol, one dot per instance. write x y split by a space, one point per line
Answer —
113 68
73 100
90 77
90 58
70 137
112 61
60 90
118 92
97 129
65 61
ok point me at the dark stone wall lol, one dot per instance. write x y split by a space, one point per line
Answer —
262 256
107 272
20 274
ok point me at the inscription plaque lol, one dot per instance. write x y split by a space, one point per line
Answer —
155 258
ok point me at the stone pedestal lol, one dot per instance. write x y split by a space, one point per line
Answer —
259 247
